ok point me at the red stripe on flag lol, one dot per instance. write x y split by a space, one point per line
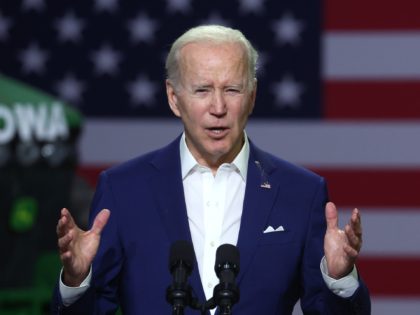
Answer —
391 276
372 100
372 15
373 188
383 188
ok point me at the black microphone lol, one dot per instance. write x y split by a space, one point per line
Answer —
181 262
226 293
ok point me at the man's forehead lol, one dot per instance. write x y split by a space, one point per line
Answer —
202 62
199 47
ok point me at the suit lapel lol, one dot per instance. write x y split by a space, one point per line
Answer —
171 202
170 194
260 194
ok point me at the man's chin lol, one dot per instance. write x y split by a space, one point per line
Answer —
222 154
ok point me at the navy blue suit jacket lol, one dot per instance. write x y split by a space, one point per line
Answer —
148 213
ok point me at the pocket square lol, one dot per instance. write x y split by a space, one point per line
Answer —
270 229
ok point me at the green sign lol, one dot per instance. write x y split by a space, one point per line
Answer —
28 114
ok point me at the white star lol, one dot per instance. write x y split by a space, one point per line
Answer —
287 92
106 60
288 29
106 5
36 5
5 24
69 28
142 28
70 89
183 6
142 91
33 59
215 19
254 6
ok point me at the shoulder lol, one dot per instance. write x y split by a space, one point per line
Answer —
145 165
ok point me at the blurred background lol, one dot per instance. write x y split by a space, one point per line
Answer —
82 88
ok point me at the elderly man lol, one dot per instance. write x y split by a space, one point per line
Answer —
211 186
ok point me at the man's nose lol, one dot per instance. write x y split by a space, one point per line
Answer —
218 104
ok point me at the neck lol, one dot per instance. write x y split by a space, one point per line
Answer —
213 161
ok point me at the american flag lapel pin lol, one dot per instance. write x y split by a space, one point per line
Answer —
265 185
264 181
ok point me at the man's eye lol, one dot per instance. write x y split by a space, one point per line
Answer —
201 90
233 90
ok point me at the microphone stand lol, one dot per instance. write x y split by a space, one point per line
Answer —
179 298
225 295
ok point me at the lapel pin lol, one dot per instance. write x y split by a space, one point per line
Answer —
264 181
265 185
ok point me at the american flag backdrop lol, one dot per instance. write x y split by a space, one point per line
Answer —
338 92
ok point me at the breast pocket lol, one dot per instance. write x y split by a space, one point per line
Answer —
279 237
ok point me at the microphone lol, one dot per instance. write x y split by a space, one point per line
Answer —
181 259
226 293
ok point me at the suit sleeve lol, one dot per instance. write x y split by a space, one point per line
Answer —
102 295
316 298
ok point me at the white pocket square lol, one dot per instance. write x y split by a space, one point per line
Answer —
270 229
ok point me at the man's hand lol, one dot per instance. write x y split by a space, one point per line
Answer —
77 248
341 247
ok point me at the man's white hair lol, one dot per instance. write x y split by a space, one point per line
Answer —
213 34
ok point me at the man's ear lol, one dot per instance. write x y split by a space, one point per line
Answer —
253 97
172 98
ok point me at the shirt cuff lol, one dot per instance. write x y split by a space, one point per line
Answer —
69 295
343 287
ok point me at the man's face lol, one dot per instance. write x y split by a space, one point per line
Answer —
213 100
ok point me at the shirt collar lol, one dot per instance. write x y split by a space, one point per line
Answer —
189 163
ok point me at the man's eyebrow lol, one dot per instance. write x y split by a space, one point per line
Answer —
239 85
207 85
200 86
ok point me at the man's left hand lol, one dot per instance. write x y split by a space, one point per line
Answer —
341 247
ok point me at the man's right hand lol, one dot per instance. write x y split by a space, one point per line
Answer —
77 248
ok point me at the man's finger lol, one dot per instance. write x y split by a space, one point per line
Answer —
356 222
100 221
331 215
354 240
62 226
70 222
64 242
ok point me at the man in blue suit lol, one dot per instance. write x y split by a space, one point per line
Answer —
211 186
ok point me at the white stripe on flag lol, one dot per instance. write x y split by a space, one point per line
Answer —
388 232
320 144
371 55
387 306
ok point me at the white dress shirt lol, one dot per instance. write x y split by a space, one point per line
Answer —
214 208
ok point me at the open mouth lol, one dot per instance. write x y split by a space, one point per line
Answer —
217 129
217 132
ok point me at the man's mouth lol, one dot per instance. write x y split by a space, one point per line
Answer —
217 132
217 129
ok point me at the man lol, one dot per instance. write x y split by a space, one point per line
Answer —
211 186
